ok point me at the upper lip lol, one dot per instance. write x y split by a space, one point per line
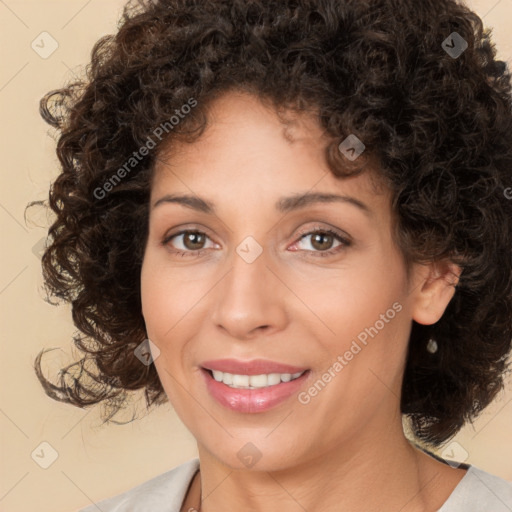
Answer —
252 367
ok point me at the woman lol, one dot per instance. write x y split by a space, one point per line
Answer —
291 220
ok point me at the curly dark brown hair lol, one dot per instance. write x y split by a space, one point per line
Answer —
438 123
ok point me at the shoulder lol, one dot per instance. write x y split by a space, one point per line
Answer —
480 491
164 492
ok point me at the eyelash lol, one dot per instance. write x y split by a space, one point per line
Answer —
345 243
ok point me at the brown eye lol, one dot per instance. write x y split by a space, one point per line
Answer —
193 240
187 242
322 241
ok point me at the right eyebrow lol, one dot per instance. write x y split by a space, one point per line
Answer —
194 202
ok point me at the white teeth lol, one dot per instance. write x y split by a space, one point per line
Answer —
253 381
227 378
271 379
240 381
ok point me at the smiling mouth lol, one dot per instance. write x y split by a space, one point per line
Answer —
262 381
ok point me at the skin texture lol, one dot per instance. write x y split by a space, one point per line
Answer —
346 448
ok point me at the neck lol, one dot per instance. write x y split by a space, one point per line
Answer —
358 475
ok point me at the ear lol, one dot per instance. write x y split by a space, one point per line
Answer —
433 289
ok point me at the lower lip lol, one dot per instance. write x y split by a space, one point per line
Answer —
252 400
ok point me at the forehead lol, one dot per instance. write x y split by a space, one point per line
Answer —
249 147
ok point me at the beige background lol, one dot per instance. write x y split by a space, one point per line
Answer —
94 463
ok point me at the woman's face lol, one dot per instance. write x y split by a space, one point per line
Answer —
256 283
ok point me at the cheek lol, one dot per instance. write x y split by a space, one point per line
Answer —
364 320
170 299
349 301
166 296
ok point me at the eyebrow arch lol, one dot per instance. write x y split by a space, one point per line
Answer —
297 201
283 205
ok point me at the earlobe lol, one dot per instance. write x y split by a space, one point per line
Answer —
435 288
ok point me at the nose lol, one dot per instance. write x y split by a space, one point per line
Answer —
250 299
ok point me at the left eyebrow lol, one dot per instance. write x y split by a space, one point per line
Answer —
297 201
284 204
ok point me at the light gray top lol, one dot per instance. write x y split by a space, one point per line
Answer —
478 491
